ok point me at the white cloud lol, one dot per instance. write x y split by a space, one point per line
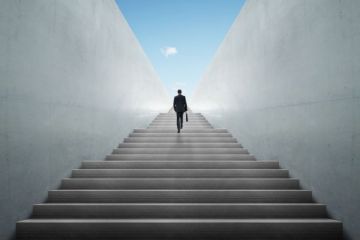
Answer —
168 51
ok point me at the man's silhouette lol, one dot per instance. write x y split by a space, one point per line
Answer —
180 107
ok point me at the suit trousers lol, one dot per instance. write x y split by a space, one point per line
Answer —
179 119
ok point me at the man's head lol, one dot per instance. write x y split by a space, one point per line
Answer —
179 91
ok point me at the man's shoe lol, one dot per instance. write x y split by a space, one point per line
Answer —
178 130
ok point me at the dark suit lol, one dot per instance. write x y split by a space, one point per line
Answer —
180 107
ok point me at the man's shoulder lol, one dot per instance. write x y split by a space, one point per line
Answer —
179 96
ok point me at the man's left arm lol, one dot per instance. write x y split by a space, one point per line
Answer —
185 104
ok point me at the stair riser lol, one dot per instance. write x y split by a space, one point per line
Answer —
179 165
174 115
179 173
169 157
191 124
186 184
179 140
180 145
180 231
179 211
195 119
184 131
173 121
182 134
179 196
173 126
180 151
185 126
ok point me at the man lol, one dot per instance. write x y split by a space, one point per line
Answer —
180 107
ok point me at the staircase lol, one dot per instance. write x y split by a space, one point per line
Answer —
199 184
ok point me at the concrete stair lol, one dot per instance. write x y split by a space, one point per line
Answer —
180 164
184 156
180 183
180 173
200 184
179 210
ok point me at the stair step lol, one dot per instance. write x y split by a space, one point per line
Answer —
180 196
175 150
180 173
183 131
179 229
173 210
214 157
172 113
180 183
174 116
180 145
191 118
185 125
173 128
134 164
180 139
180 135
186 128
172 121
159 121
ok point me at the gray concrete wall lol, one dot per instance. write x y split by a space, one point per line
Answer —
286 82
73 82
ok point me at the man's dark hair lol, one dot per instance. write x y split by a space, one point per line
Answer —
179 91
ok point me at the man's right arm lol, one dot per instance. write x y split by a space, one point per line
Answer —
174 105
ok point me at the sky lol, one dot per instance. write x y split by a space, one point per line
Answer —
180 37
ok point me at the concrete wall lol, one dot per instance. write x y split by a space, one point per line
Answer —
286 82
73 82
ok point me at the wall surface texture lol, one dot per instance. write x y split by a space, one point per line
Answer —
286 82
73 82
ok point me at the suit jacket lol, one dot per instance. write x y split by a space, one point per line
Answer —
180 103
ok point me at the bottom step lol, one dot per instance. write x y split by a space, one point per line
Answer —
175 229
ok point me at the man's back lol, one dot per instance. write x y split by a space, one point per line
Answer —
180 103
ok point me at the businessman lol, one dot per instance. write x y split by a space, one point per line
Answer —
180 107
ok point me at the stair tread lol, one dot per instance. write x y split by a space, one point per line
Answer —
180 204
180 145
180 164
283 220
182 161
181 190
185 179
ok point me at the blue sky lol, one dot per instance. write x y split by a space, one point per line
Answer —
180 37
